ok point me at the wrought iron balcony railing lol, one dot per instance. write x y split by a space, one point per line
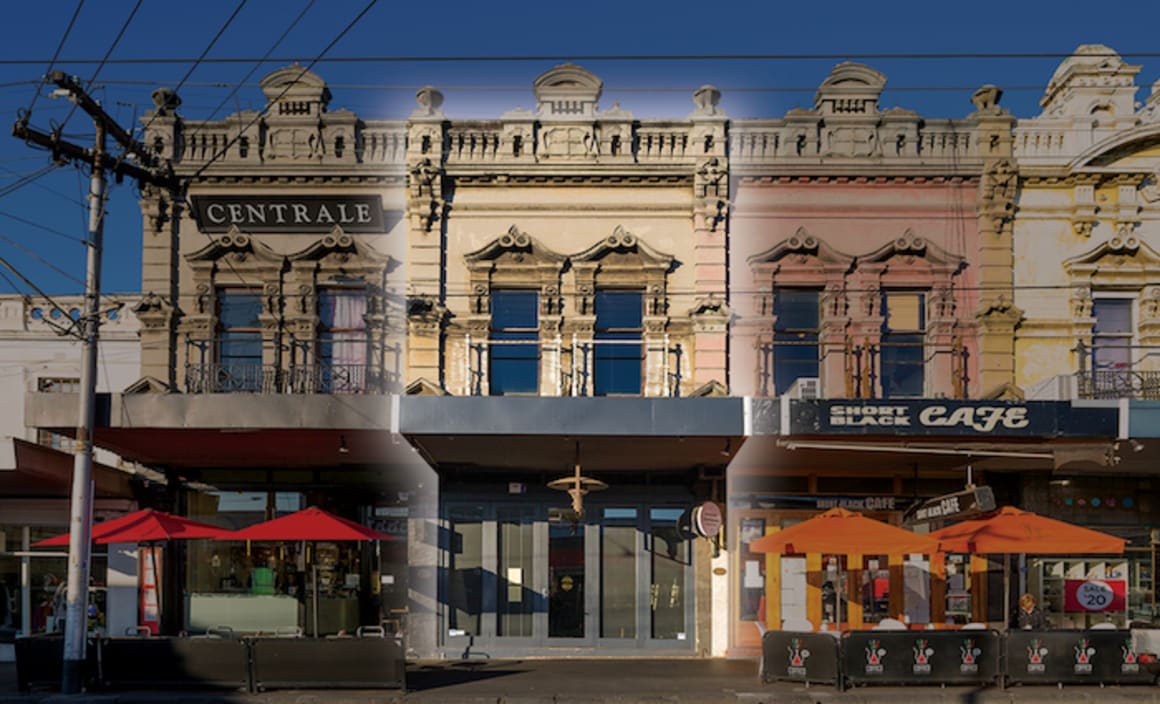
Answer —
579 367
299 368
1119 383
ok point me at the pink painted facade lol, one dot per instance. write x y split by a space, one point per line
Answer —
867 207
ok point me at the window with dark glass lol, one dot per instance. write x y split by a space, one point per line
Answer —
342 340
514 356
617 358
1112 334
795 336
239 340
902 352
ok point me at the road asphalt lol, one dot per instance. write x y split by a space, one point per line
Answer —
589 681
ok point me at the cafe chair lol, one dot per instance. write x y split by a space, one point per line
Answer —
890 624
798 624
975 626
370 632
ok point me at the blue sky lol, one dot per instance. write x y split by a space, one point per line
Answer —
48 252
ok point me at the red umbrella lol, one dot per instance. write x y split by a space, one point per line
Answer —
311 524
144 526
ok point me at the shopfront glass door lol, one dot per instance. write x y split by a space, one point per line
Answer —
620 579
566 563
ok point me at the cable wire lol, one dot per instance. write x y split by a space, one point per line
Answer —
510 58
56 55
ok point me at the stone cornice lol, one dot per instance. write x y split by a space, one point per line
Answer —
490 178
872 177
254 177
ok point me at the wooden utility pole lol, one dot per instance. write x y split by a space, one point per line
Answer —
145 168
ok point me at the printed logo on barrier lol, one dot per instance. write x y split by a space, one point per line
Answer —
969 656
1130 663
1083 657
1035 655
922 652
797 658
875 654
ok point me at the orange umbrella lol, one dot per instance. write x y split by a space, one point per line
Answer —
1013 531
842 532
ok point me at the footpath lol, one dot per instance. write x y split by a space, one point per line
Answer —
592 681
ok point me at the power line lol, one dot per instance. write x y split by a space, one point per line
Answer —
105 59
38 226
201 59
290 84
508 58
55 55
238 86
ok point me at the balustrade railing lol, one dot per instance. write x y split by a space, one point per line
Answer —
877 369
300 369
1112 371
577 367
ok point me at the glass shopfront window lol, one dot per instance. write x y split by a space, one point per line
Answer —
256 585
38 606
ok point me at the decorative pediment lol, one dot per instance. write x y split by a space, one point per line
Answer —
237 245
1125 252
147 385
1007 391
803 244
296 91
911 245
424 387
341 246
567 91
1132 150
850 89
514 248
624 243
710 389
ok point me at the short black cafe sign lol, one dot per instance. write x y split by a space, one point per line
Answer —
288 214
948 417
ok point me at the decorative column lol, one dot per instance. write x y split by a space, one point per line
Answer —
425 215
998 186
711 193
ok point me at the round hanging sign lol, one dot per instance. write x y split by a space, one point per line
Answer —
707 520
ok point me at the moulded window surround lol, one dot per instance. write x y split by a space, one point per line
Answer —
342 340
1114 331
514 368
797 317
618 358
902 350
238 348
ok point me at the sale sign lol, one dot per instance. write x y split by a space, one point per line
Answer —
1094 594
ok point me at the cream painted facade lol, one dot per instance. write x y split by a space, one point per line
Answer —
565 201
1087 230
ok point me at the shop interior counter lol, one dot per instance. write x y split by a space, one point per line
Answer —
244 613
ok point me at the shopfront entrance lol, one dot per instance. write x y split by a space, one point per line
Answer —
522 578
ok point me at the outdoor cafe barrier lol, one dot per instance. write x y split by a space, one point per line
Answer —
324 663
921 657
370 661
800 657
164 662
1074 657
964 656
40 661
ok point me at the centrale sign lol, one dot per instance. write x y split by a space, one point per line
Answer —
288 214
